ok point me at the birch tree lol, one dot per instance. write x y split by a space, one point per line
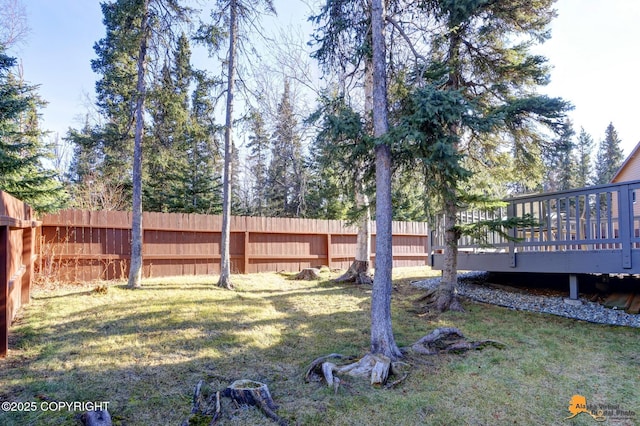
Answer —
236 17
344 43
136 32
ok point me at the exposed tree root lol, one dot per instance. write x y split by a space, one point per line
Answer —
441 301
225 283
376 367
449 339
359 273
379 367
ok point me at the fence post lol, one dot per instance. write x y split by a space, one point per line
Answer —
28 259
329 250
4 290
246 252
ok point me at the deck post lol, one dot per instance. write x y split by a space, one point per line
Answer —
511 212
573 287
625 223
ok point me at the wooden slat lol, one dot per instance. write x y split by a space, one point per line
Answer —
17 256
191 243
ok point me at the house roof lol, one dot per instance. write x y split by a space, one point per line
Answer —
635 153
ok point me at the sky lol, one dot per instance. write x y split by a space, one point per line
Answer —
594 51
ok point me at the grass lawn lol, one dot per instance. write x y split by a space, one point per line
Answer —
143 352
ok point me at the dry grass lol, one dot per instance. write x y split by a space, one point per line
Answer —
143 351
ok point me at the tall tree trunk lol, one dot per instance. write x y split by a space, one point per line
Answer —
445 297
382 340
225 260
135 269
360 270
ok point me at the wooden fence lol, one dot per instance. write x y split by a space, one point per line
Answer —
17 249
82 245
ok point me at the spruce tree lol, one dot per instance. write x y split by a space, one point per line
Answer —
286 174
166 148
482 53
257 158
560 167
609 157
22 152
584 147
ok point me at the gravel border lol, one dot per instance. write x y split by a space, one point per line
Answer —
586 311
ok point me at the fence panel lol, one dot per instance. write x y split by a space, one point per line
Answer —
17 257
81 246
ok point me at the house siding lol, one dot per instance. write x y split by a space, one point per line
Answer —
630 170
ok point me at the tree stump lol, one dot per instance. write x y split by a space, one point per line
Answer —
254 393
96 418
308 274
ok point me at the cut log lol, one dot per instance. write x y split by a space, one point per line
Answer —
96 418
308 274
254 393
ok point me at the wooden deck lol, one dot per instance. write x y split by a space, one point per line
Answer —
594 230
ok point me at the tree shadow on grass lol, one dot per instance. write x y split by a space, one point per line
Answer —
144 354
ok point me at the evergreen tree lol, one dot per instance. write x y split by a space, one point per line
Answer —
167 145
345 49
609 157
482 54
583 150
116 87
202 178
257 161
560 167
382 338
22 152
286 174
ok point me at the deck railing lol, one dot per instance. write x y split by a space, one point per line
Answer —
598 218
